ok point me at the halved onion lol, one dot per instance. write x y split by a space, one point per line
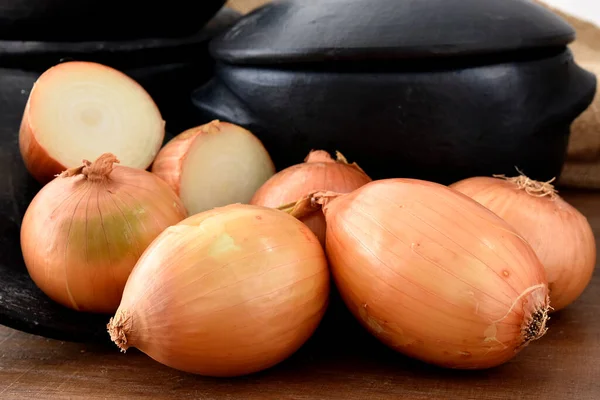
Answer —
214 165
81 110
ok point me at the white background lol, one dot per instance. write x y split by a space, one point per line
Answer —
584 9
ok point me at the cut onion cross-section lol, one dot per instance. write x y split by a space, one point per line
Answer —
214 165
80 110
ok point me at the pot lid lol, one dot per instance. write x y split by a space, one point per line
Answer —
293 31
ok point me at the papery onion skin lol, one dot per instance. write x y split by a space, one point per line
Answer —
318 172
36 159
227 292
169 161
560 235
82 235
435 275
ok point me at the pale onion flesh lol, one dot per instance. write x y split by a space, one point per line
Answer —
560 235
214 165
80 110
318 172
433 274
84 231
227 292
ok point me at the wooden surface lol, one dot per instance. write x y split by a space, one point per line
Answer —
245 6
565 364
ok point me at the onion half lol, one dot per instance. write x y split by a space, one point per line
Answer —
432 273
214 165
80 110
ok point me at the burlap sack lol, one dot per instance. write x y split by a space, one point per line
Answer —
582 169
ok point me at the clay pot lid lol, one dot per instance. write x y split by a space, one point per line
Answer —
301 31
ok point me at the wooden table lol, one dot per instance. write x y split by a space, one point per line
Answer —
565 364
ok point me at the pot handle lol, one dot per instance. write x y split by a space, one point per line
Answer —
216 101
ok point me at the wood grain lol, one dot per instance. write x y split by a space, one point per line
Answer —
340 362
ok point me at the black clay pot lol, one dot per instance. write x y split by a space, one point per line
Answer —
167 69
84 20
430 89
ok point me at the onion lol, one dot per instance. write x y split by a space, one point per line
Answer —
80 110
432 273
560 235
227 292
84 231
214 165
318 172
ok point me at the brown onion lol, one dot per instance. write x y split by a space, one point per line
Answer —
84 231
560 235
318 172
434 274
227 292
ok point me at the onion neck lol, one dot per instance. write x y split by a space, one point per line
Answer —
97 171
118 328
307 205
212 127
320 156
532 187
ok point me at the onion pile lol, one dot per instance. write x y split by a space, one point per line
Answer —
433 274
214 165
318 172
84 231
80 110
560 235
215 264
228 292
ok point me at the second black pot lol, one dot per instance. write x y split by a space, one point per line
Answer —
167 69
85 20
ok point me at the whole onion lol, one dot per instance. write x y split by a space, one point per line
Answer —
432 273
84 231
227 292
560 235
318 172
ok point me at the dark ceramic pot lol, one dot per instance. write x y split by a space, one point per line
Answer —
84 20
167 69
431 89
